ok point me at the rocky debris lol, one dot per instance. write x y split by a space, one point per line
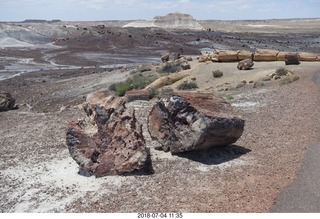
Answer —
165 57
245 64
192 121
185 65
132 95
113 146
212 56
292 59
7 102
92 100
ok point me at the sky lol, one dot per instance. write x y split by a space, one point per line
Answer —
99 10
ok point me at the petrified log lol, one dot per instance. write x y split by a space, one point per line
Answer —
7 102
245 64
227 55
265 55
132 95
243 54
306 56
192 121
113 146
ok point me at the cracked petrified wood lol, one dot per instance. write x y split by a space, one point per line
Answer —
192 121
113 145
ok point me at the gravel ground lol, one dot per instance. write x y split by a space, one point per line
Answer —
38 175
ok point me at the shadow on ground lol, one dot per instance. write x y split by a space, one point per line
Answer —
215 156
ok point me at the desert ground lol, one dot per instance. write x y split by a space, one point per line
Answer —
50 69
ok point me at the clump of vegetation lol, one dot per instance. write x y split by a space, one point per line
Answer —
166 90
143 68
153 92
169 67
217 74
288 80
266 78
229 97
239 85
258 84
282 71
187 85
137 82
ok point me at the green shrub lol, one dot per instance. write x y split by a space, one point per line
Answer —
258 84
143 68
113 86
295 78
137 82
217 74
170 67
187 85
239 85
140 82
153 92
282 71
266 78
123 87
229 97
166 90
288 80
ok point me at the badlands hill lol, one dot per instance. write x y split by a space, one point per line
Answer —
170 21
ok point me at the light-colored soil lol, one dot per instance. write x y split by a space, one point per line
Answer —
38 175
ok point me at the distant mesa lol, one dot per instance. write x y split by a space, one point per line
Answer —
170 21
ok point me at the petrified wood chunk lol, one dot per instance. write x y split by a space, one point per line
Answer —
192 121
113 146
245 64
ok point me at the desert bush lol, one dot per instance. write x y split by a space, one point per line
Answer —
169 67
166 90
281 71
229 97
258 84
122 88
153 92
187 85
140 82
288 80
239 85
137 82
217 74
266 78
295 78
143 68
113 86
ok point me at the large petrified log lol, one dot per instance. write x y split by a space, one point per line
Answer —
191 121
113 145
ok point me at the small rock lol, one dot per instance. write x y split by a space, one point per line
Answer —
245 64
7 102
185 65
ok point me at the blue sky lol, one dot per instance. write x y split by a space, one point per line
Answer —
90 10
